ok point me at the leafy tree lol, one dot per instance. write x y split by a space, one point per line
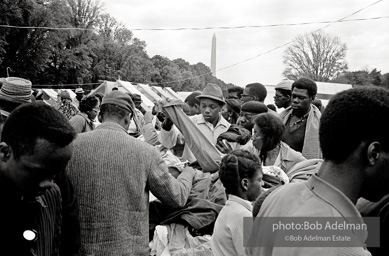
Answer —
385 80
23 50
318 56
168 72
362 78
99 47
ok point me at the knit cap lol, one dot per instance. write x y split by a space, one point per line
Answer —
120 99
254 107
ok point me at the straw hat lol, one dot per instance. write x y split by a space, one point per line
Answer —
212 91
79 90
16 89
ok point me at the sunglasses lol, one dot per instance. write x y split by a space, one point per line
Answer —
246 95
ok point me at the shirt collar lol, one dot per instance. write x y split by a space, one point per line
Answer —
111 126
332 195
222 121
287 155
245 203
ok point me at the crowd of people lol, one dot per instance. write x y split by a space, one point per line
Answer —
101 175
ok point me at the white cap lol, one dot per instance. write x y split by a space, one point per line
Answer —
285 85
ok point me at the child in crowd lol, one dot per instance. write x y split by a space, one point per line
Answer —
241 174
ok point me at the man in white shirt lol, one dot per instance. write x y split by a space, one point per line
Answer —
210 122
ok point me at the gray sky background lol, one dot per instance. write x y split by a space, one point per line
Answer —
367 41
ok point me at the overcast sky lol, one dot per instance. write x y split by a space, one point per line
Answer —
367 41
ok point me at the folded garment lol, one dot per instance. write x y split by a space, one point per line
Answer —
236 133
204 151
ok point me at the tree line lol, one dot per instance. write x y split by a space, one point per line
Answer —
322 58
98 48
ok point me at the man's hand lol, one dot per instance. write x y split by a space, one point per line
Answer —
148 117
223 146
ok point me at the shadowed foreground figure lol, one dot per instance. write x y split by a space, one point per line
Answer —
355 145
36 145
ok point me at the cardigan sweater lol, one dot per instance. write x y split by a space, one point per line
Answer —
112 174
311 147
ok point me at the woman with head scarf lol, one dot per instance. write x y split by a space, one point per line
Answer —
66 106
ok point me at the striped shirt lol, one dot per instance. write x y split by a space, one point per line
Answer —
41 214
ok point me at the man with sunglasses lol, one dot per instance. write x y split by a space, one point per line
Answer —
283 96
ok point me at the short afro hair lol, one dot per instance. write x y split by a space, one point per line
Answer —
88 103
353 116
237 89
191 100
308 84
257 90
33 121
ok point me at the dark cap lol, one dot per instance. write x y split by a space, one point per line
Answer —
120 99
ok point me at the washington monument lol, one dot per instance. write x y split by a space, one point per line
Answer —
213 56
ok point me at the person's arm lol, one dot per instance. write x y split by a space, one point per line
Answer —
148 130
171 191
168 138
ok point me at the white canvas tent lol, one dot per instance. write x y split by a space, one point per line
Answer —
125 87
171 92
50 96
164 94
146 90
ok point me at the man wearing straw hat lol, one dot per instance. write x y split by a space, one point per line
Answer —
14 92
79 96
210 122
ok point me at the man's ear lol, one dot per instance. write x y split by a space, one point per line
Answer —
373 152
127 121
245 184
5 152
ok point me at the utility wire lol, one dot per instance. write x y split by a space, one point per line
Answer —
285 44
278 47
245 60
204 28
